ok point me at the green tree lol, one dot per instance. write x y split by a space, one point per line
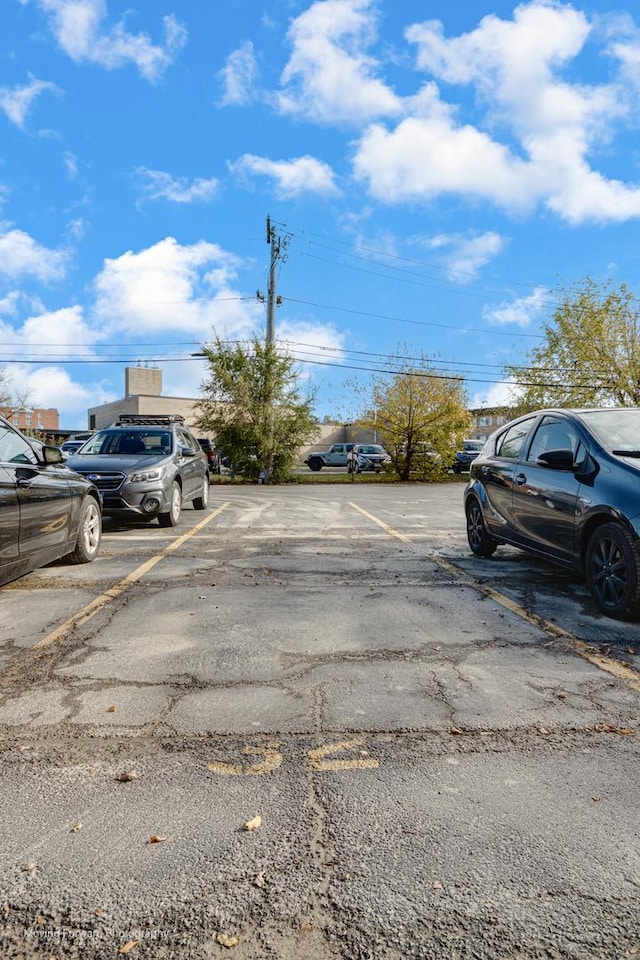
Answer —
590 355
254 407
419 416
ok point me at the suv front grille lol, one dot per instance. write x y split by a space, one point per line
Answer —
105 481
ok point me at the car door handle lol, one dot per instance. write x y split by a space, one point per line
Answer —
520 479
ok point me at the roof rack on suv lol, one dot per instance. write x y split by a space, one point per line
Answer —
143 418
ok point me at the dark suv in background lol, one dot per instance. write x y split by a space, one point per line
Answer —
466 455
145 466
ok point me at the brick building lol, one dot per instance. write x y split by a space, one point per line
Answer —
46 420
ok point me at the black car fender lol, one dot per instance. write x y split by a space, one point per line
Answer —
594 518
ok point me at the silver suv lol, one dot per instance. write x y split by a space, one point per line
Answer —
145 466
367 456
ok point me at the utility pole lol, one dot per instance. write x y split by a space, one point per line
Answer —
279 246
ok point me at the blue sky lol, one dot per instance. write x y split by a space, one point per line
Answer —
437 170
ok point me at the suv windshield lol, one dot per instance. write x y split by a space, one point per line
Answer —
154 442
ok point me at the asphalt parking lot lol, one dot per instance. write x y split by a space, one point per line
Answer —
441 751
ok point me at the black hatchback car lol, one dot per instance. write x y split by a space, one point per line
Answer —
46 510
565 485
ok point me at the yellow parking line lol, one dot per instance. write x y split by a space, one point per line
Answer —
381 523
614 667
114 592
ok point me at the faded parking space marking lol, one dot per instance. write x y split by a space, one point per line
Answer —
316 759
381 523
272 760
90 610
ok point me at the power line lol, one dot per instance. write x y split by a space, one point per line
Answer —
384 255
421 323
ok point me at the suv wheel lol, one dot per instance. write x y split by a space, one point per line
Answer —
613 571
315 463
171 518
201 502
481 543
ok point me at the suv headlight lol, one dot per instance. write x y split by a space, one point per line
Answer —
144 476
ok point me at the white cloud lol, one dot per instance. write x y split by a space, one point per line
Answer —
535 130
77 25
16 102
9 304
157 185
70 165
300 336
329 77
76 229
498 395
293 178
59 333
21 255
239 76
51 387
53 334
464 256
426 156
522 312
625 47
168 287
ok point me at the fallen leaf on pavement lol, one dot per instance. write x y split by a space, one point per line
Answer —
76 828
127 775
254 823
227 941
156 838
128 946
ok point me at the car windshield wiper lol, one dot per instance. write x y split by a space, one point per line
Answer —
626 453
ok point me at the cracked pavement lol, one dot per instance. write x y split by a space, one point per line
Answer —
441 771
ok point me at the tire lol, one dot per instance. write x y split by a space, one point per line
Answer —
200 503
171 518
89 533
481 543
315 464
612 570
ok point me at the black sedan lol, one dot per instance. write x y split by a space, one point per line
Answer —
46 510
565 485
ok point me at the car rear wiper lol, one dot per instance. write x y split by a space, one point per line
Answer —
626 453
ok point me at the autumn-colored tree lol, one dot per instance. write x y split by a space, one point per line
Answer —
253 406
419 416
590 354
